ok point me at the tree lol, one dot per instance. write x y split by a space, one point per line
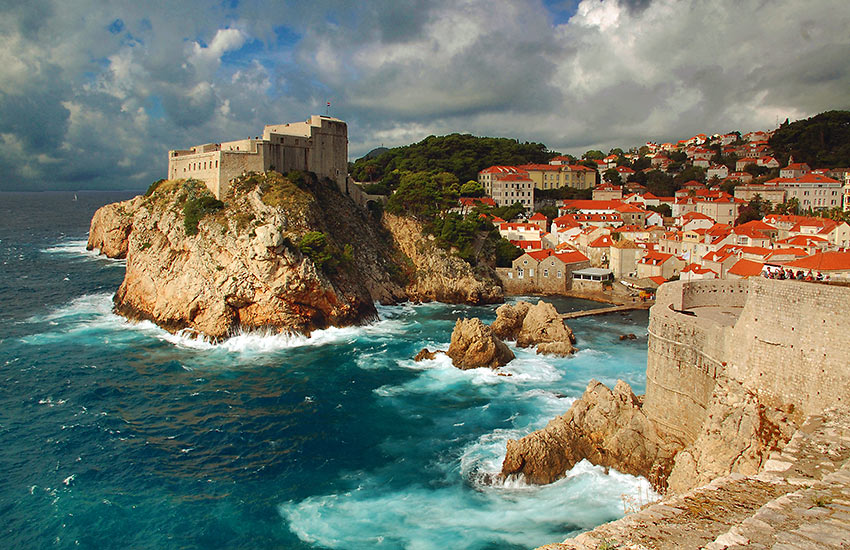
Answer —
611 175
593 154
663 209
551 212
471 189
756 209
506 252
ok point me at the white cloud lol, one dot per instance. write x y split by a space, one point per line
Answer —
95 99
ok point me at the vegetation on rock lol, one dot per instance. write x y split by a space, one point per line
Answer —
822 141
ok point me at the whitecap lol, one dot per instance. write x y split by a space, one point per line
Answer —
77 248
426 518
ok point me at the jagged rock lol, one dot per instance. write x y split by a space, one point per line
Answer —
439 276
509 320
543 324
473 345
561 349
244 269
110 227
629 336
605 427
737 436
424 354
531 325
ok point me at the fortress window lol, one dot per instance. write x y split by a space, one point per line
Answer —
216 164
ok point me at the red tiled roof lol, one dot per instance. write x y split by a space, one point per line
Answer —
603 241
746 268
472 201
571 257
807 178
537 217
824 261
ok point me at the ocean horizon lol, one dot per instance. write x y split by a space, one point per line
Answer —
119 434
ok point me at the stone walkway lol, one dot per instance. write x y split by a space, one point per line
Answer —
800 500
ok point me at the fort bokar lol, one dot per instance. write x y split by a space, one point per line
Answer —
744 424
229 243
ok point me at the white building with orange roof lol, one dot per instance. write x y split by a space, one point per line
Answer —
812 191
508 185
696 272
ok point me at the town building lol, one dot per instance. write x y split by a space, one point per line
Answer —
319 145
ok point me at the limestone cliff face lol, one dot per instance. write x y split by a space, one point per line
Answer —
737 436
606 427
438 276
110 227
244 268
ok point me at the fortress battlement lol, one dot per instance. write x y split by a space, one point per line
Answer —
785 341
318 145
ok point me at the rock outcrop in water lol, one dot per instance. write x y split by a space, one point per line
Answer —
473 345
605 427
277 255
534 325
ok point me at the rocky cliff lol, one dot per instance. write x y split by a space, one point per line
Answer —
437 275
605 427
289 256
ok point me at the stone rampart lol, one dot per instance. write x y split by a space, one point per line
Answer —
791 344
783 340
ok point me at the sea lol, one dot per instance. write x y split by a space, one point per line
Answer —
117 434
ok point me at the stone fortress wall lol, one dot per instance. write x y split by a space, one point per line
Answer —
319 145
783 340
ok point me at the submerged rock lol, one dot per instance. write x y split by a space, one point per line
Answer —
426 354
474 345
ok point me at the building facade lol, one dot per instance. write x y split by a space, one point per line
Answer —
318 145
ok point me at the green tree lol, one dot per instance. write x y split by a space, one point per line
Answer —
593 154
756 209
611 175
471 189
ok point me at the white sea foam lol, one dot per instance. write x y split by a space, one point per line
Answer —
78 248
93 312
425 518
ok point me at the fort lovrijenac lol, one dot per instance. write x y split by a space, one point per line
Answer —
318 145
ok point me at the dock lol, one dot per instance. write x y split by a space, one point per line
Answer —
603 310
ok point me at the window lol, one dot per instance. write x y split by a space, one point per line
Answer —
546 273
559 274
519 273
531 272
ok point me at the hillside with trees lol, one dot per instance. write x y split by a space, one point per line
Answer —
822 141
463 155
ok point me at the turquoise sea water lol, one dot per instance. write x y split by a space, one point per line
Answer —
121 435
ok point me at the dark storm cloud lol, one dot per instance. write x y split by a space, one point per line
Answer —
97 100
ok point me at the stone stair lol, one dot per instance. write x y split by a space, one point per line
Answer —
800 500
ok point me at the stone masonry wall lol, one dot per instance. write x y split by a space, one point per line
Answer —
788 345
791 344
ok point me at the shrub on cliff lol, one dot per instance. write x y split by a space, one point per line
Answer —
316 246
196 208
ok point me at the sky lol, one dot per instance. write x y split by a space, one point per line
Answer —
94 94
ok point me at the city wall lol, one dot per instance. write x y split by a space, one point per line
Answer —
788 345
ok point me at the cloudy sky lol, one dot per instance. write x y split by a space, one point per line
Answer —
93 94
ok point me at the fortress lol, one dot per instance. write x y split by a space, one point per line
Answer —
747 383
784 341
318 145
